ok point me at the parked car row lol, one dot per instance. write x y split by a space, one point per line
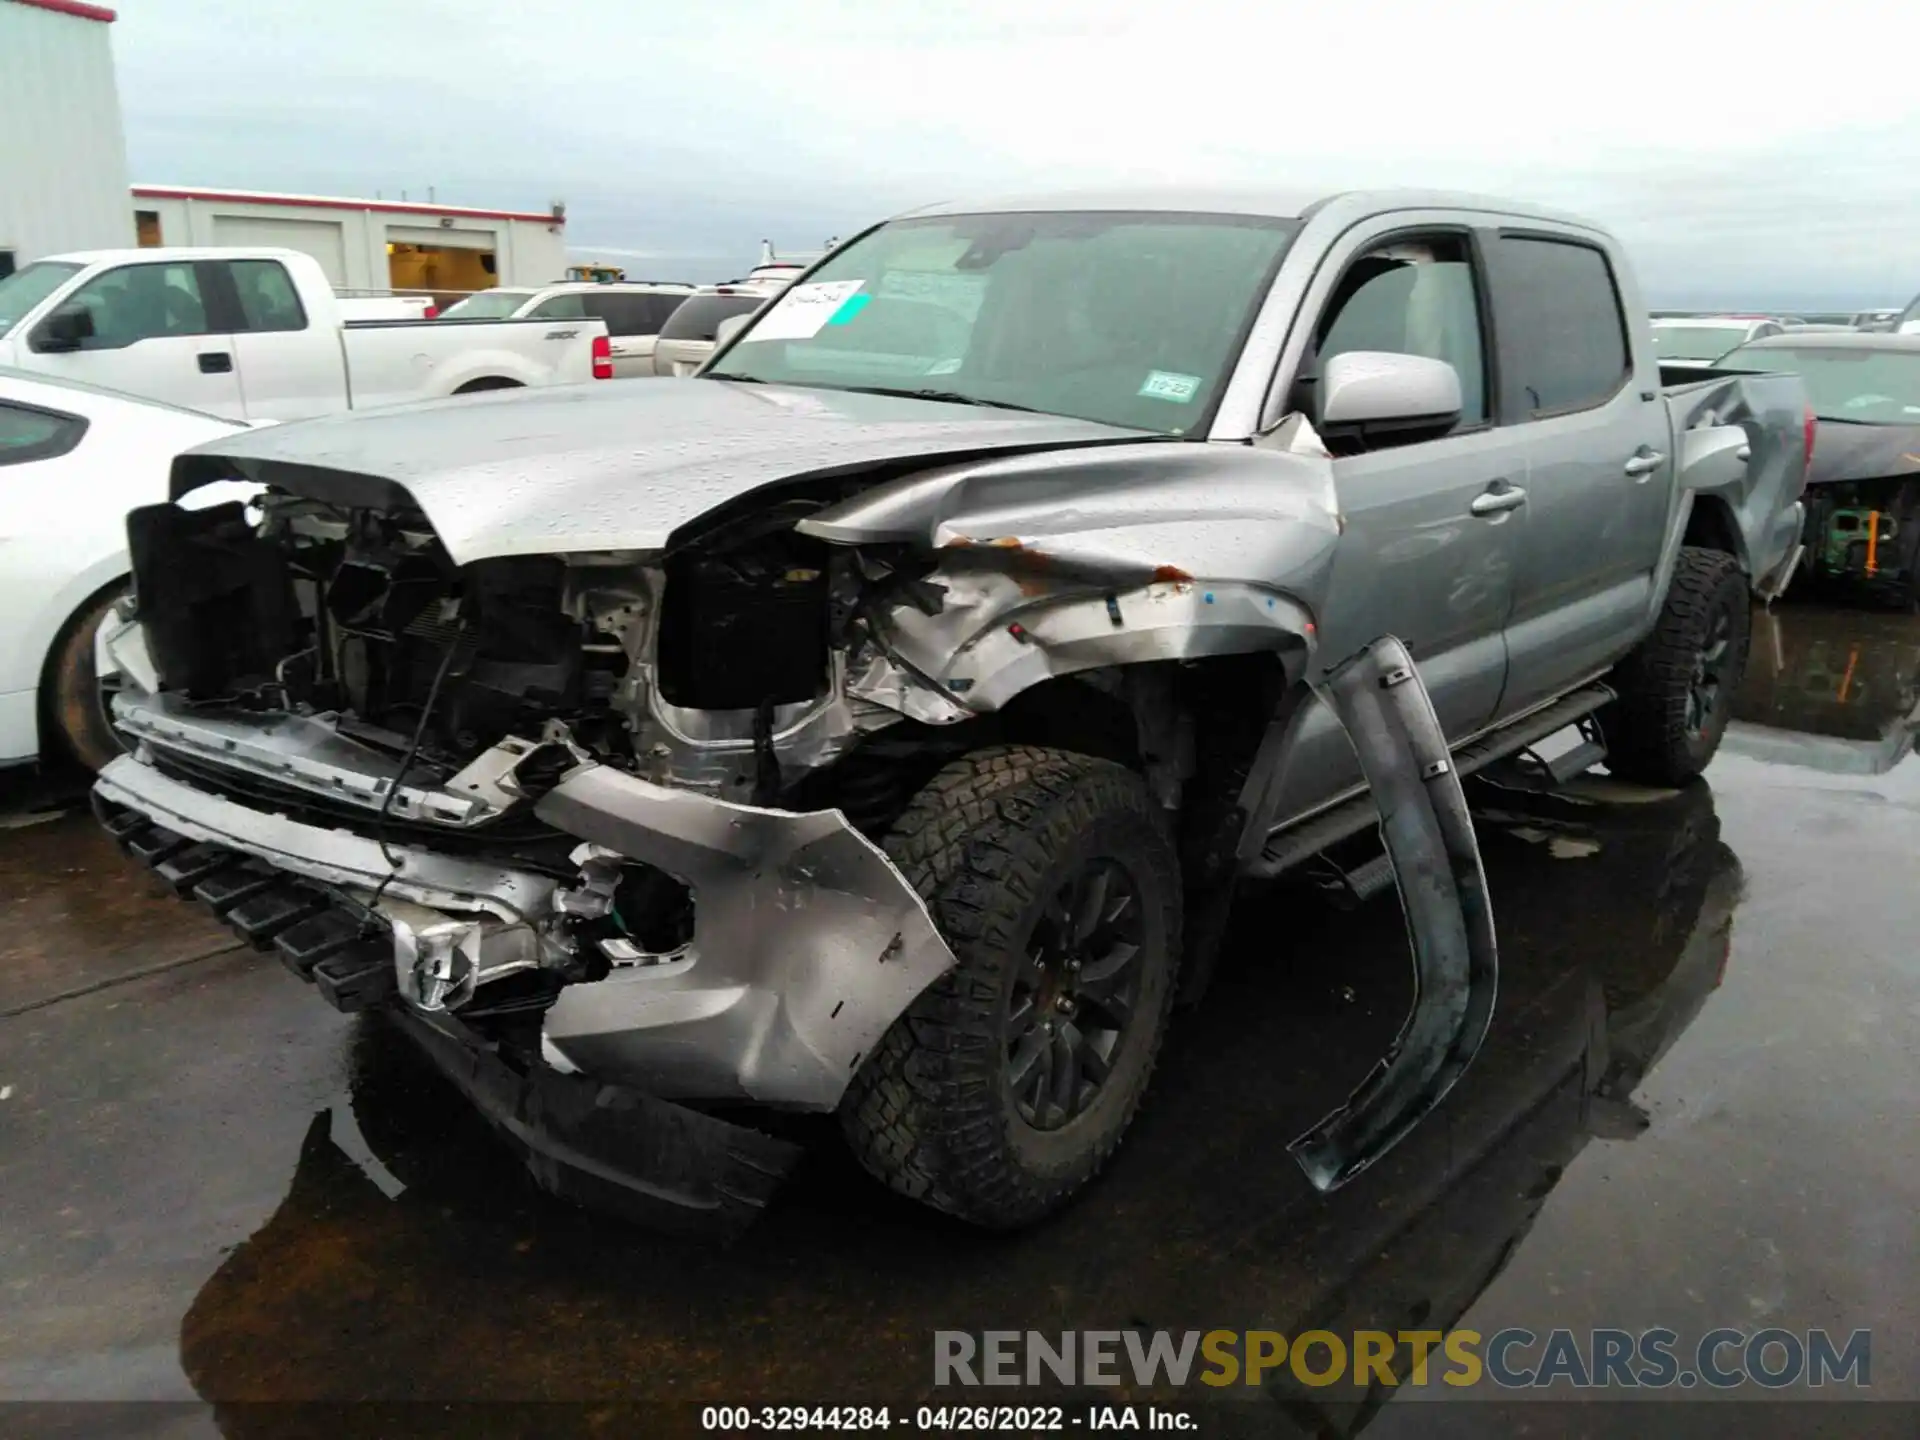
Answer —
654 327
1700 340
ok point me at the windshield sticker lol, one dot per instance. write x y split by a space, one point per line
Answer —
1170 385
803 309
849 308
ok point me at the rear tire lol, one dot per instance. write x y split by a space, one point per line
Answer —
1005 1087
75 706
1676 689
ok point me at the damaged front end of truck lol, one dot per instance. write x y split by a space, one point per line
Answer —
584 769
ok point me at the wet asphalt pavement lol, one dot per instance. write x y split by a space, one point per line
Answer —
1699 1106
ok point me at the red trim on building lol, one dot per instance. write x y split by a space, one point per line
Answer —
328 202
74 8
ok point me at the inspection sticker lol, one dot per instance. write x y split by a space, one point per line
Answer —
803 309
1170 385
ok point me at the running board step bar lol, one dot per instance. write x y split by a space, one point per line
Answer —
1288 848
1528 770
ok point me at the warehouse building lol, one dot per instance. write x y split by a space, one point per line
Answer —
65 188
366 245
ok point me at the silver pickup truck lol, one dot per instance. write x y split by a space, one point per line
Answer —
881 721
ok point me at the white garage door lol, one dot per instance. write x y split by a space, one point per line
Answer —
319 238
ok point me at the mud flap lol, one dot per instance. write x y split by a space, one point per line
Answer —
1429 838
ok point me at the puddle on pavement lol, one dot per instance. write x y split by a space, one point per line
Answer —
1830 689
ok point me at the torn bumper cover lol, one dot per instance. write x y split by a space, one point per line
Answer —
807 942
807 945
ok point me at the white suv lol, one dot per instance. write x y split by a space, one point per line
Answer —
634 312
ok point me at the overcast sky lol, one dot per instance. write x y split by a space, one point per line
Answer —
1748 152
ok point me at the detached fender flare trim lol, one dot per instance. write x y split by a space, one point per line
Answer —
1387 713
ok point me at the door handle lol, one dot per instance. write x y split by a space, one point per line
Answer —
1645 463
1499 498
216 362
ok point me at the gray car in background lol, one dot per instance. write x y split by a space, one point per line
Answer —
881 722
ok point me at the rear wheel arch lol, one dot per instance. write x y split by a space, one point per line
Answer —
489 382
1711 526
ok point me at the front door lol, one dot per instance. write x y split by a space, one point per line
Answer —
152 336
1417 558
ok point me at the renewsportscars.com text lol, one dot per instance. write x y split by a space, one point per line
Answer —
1513 1358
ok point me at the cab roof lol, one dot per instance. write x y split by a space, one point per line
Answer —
1279 203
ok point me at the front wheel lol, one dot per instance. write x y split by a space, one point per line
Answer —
1676 689
75 703
1005 1087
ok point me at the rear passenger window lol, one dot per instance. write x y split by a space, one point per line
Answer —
268 300
1563 341
655 309
627 314
29 434
571 306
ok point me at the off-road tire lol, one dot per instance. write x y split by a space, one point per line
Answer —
71 691
1650 738
987 843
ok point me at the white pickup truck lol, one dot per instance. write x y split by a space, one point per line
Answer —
258 334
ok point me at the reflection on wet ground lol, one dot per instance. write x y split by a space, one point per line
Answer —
1696 1108
1833 689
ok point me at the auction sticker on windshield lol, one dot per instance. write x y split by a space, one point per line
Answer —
799 314
1170 385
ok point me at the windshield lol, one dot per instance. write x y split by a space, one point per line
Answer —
1874 387
487 305
1696 342
1127 318
24 289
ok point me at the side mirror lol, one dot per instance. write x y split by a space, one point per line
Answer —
728 328
64 330
1375 397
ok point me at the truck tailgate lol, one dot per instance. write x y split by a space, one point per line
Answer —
391 362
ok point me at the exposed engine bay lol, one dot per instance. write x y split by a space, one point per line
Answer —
362 615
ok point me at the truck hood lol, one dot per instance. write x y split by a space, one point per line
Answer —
1863 452
609 466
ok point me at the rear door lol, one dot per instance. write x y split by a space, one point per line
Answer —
290 367
153 333
1598 476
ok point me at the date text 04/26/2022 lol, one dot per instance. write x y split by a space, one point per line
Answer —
949 1419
